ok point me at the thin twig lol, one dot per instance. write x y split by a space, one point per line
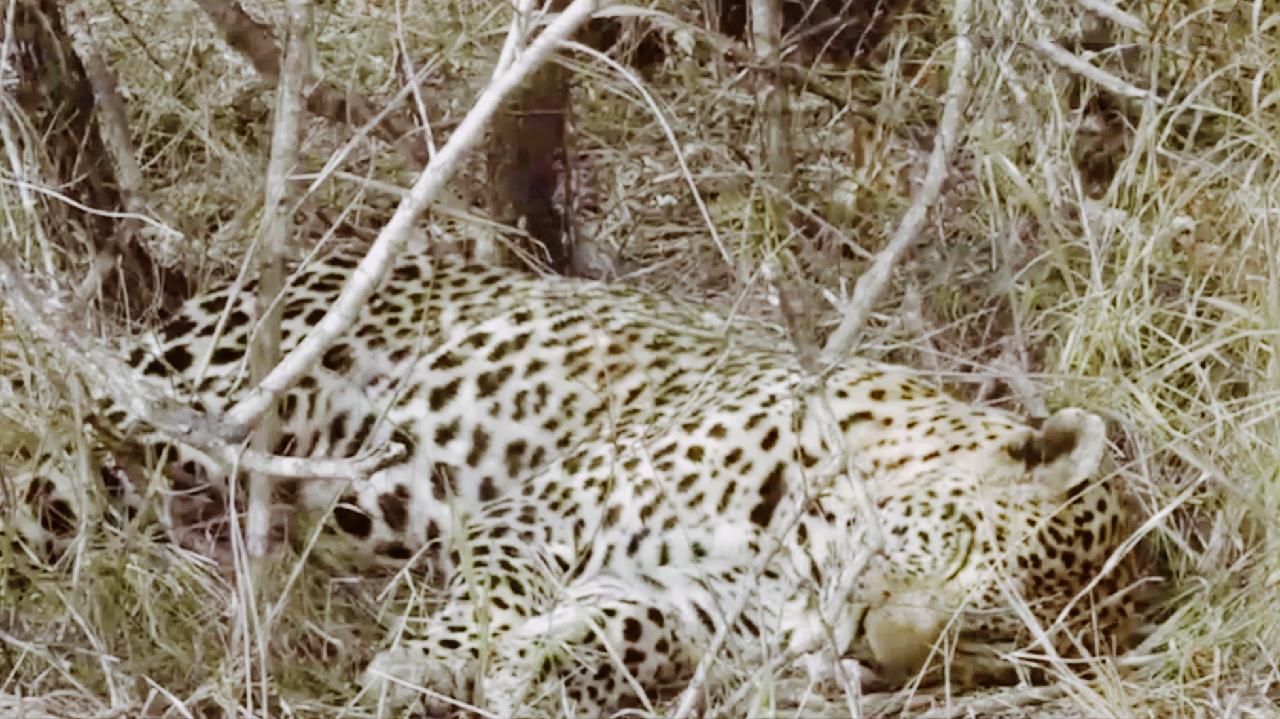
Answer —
255 42
1114 14
872 282
374 266
349 469
516 36
872 534
871 540
1058 55
414 84
112 214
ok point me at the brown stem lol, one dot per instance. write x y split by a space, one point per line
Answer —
258 44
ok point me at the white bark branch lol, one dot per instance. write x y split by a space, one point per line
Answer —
1114 14
771 94
516 35
369 273
1069 62
872 282
277 226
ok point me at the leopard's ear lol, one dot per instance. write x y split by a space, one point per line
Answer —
1067 449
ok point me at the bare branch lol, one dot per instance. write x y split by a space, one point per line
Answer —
48 315
1067 61
374 266
145 219
771 91
516 36
256 42
349 469
277 227
773 113
1114 14
871 284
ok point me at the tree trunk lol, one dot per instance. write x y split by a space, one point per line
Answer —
67 154
55 94
527 163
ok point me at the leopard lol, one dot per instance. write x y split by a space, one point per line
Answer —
629 497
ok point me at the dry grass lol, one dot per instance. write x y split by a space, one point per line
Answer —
1088 250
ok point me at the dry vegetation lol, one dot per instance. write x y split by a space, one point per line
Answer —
1089 249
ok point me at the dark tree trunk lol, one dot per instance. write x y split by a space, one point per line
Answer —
56 96
54 93
528 165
